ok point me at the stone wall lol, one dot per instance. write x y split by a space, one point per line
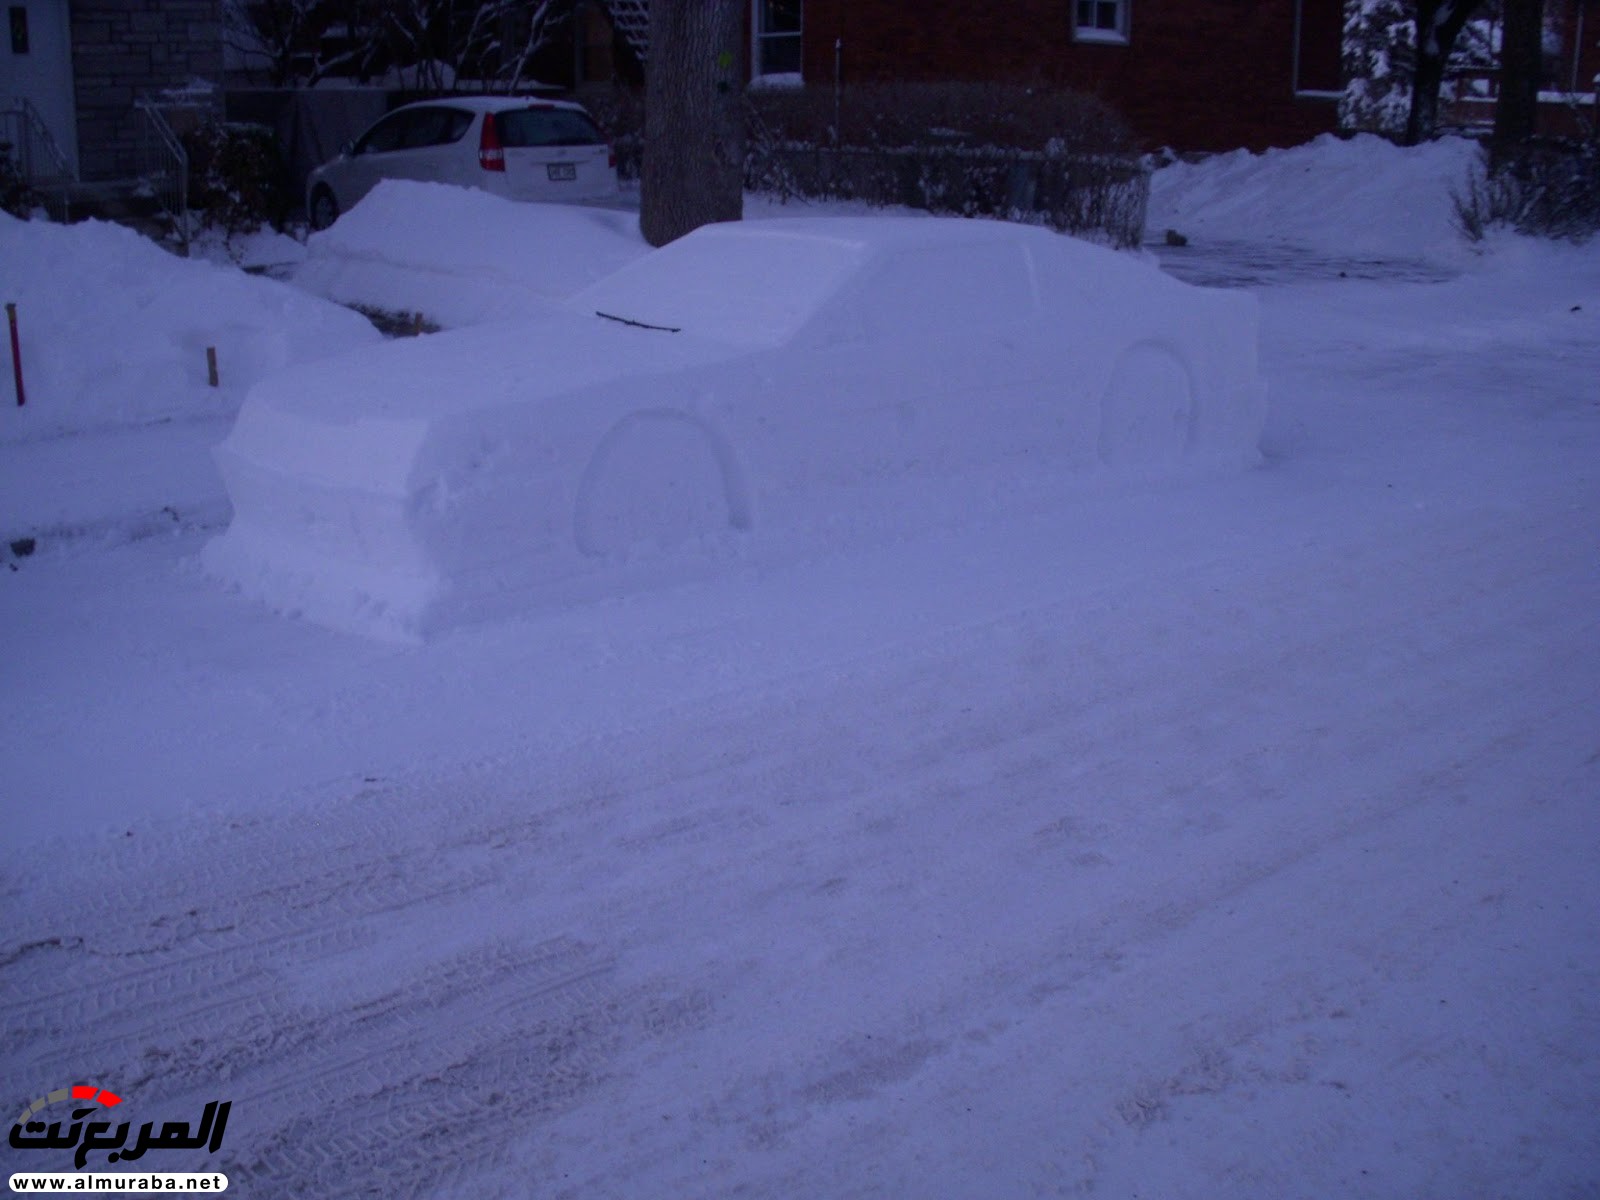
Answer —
125 49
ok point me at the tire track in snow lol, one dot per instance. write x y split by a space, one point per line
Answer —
163 926
242 973
1401 745
1002 786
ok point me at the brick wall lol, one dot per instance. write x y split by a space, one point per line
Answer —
123 49
1195 74
1576 24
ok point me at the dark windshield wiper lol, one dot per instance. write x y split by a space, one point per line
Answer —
637 324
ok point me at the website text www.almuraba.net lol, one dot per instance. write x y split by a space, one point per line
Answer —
156 1182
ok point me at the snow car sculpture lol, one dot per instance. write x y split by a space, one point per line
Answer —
705 387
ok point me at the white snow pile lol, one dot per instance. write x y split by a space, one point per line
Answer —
114 330
758 376
264 249
460 256
1361 196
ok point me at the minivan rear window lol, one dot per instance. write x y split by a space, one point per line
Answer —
547 127
435 127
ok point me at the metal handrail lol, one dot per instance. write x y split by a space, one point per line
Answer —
26 132
164 168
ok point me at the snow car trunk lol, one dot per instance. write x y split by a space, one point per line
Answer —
382 495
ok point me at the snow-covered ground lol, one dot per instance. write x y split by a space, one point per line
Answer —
1185 839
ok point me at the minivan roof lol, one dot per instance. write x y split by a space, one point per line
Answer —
495 103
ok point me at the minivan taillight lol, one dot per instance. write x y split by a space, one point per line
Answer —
491 154
611 146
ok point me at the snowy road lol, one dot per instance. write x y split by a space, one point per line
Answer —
1056 907
1230 838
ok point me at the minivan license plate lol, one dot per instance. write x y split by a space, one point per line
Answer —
561 171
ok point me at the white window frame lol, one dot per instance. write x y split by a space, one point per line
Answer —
1095 33
758 36
1294 66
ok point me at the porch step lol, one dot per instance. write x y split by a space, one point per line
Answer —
129 202
632 20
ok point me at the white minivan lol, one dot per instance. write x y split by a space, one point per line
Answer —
546 150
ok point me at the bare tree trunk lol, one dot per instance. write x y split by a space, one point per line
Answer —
693 170
1439 23
1521 66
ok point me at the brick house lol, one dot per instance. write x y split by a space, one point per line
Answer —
82 64
1193 74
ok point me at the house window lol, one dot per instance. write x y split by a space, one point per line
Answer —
777 37
1100 20
1318 49
19 30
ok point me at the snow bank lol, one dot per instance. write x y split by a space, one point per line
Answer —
462 256
114 329
1363 196
749 378
263 249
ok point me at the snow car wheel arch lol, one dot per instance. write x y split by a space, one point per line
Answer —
1147 414
659 477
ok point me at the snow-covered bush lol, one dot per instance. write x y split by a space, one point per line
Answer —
900 115
1063 158
973 149
237 178
1546 189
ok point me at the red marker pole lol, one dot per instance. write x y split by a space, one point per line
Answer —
16 353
